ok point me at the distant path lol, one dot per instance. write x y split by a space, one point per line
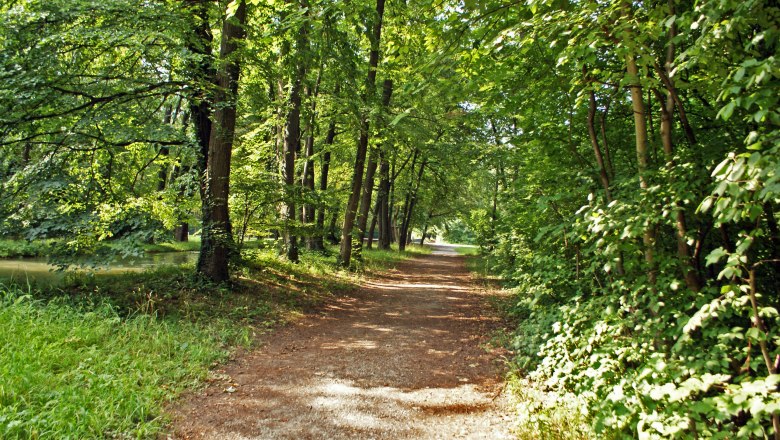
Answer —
401 358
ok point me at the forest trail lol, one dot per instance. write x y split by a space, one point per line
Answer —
401 358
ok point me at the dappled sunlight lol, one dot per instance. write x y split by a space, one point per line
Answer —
383 411
402 358
373 327
416 286
361 344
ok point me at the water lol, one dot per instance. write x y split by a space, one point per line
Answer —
38 270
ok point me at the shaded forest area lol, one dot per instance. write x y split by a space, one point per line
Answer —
616 162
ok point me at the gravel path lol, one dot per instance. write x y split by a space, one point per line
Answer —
404 357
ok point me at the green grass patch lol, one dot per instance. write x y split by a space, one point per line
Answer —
99 356
72 370
378 259
467 250
543 415
193 244
482 265
24 249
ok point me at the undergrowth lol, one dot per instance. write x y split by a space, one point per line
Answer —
540 413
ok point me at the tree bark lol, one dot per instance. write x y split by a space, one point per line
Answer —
332 228
383 202
200 107
667 104
307 182
368 184
594 140
642 156
217 238
372 229
318 238
405 234
345 253
292 145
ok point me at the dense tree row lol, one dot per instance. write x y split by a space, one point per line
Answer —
617 160
121 117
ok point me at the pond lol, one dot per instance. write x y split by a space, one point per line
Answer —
38 270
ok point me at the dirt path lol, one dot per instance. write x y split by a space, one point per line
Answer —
402 358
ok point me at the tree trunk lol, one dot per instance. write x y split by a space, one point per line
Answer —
383 202
307 181
368 184
332 228
407 202
200 108
345 252
604 165
640 132
603 128
217 240
594 140
318 238
405 234
165 151
292 146
182 232
372 229
688 264
425 228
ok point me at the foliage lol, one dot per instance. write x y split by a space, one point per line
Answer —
22 249
458 232
624 272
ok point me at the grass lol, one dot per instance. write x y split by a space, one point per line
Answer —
101 356
481 264
193 244
75 371
467 250
544 415
378 259
24 249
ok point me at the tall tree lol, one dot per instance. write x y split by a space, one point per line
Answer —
368 183
345 252
217 236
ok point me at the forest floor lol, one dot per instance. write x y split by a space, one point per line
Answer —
405 356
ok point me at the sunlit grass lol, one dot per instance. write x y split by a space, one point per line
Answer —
192 244
72 370
467 250
544 415
23 248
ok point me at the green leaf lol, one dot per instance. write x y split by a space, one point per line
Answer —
715 256
726 112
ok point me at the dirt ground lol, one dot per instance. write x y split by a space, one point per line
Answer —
402 358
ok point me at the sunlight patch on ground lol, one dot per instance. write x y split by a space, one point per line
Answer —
361 344
373 327
371 411
420 286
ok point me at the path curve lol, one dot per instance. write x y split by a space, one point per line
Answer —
402 358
